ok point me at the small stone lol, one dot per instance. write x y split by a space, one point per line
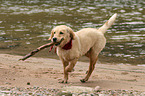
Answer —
30 93
28 83
124 73
8 83
64 94
97 88
80 70
6 92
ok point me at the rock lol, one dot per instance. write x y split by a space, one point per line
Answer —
64 94
97 88
28 83
8 83
78 89
124 73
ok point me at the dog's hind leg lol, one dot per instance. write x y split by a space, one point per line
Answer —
93 60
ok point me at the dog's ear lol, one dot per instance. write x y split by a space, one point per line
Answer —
72 34
51 36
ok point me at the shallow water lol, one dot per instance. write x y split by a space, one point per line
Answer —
26 24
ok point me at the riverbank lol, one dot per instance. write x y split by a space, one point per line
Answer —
45 73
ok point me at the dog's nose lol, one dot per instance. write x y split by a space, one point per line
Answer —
54 39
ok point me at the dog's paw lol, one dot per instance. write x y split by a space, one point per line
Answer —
83 80
62 81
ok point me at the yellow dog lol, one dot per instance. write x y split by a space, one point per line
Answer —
72 45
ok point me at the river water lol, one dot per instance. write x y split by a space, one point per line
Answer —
26 25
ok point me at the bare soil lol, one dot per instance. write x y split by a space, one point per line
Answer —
45 72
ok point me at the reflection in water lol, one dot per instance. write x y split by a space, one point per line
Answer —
26 24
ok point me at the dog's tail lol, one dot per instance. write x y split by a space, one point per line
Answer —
108 24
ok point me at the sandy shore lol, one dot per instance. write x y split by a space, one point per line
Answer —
45 72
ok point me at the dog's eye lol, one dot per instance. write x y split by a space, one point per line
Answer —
61 32
54 32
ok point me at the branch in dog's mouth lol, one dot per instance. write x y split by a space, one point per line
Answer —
58 43
39 49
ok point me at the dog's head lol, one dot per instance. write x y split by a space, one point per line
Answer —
61 35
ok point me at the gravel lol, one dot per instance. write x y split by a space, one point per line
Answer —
40 91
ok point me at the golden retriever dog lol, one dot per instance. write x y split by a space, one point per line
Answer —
72 45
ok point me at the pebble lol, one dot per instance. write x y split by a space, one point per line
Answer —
40 91
8 83
97 88
28 83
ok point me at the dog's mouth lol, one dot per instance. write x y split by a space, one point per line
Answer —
58 43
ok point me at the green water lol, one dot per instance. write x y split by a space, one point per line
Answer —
26 25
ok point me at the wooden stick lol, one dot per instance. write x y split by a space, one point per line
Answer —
37 50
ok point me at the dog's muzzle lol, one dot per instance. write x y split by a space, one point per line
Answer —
58 43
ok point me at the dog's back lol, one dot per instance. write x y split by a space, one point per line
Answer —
94 38
90 37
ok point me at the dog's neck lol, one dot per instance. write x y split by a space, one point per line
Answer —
68 45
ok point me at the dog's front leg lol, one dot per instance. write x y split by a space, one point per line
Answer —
65 64
70 67
67 68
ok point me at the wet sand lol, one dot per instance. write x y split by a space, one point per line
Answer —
45 72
